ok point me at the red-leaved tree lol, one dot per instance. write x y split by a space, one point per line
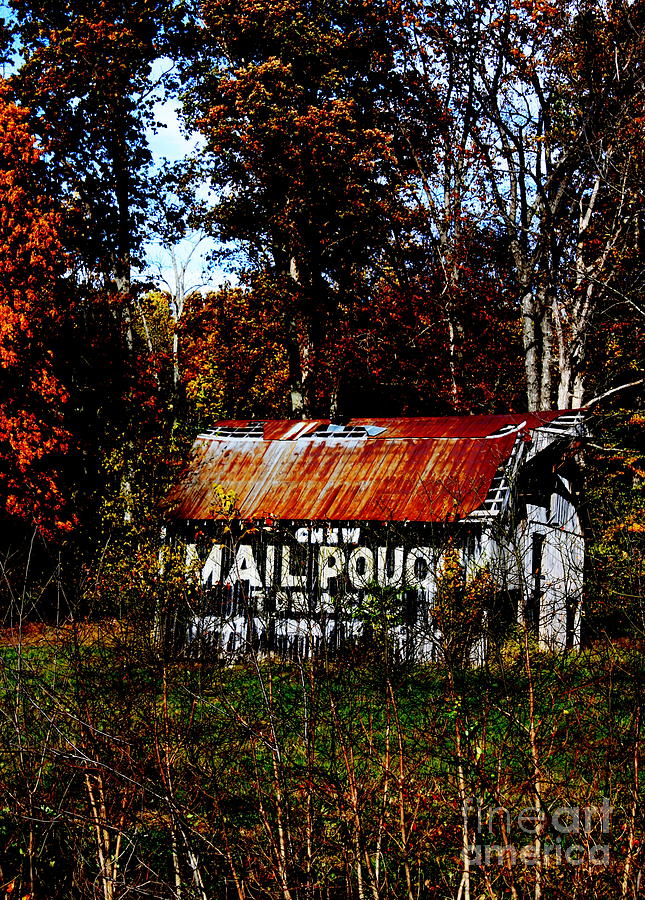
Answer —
32 433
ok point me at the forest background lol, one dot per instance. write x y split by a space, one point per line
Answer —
414 208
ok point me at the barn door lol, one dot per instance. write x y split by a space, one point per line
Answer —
534 587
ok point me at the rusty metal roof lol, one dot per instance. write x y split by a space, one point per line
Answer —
377 470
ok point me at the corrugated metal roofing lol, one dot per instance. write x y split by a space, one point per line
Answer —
419 469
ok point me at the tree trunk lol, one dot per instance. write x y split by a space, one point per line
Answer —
531 341
300 355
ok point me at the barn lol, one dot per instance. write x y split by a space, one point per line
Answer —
306 536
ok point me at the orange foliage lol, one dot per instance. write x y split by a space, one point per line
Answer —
32 436
232 358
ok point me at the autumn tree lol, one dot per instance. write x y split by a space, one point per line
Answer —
33 435
90 77
232 355
295 104
87 77
541 101
603 59
402 354
387 355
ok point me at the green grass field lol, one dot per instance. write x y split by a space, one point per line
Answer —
124 773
